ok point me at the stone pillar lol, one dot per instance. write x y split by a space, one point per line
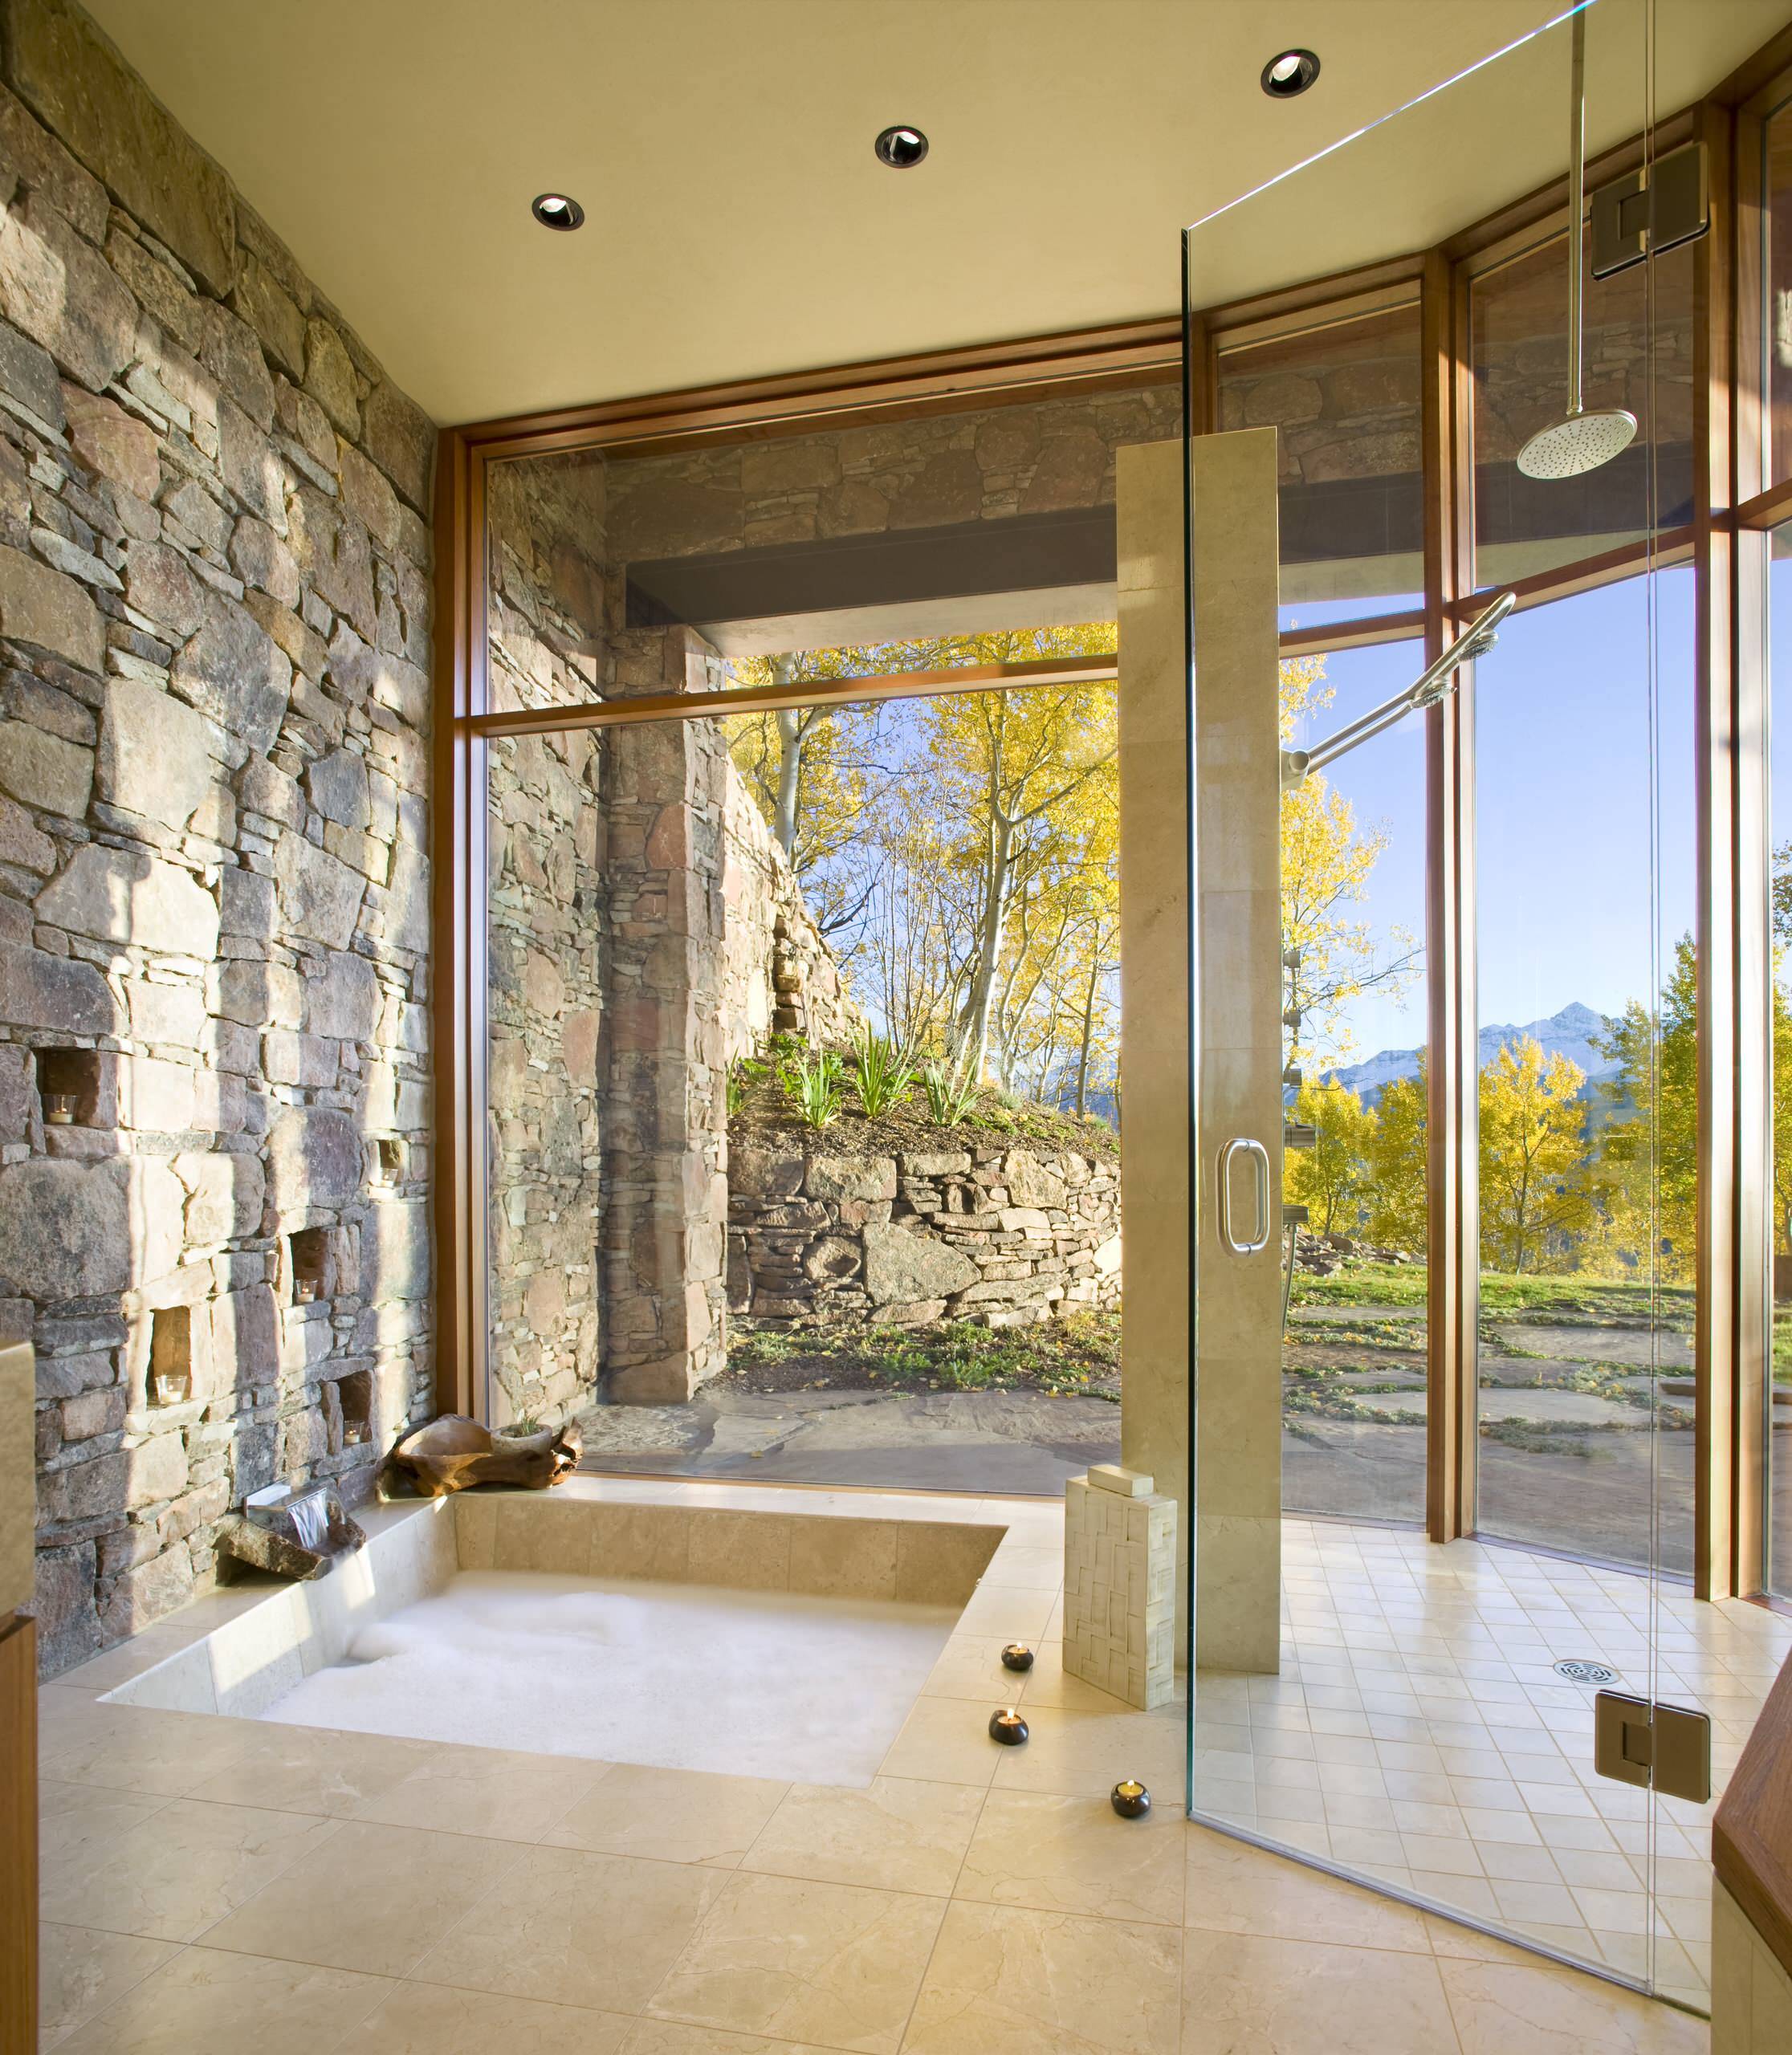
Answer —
1119 1585
1238 815
1154 978
1236 1529
666 1216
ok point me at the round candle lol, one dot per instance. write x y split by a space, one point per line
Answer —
1131 1800
1007 1727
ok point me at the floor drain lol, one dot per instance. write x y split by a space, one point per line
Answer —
1578 1672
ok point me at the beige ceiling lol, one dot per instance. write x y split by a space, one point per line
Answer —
738 223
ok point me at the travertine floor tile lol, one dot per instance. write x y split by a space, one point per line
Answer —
598 1930
1233 1888
81 1971
673 1815
900 1834
946 1741
675 2037
1248 1996
1086 1754
504 1793
205 2003
1504 2006
432 2019
373 1899
1061 1854
1004 1981
174 1874
804 1961
310 1769
136 1748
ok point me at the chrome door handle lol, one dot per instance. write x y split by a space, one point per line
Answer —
1243 1145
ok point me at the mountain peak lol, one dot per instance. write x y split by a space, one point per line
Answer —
1576 1032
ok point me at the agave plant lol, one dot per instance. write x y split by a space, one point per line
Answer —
817 1080
884 1076
949 1097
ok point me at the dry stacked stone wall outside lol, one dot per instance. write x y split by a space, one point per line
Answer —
214 640
780 976
1000 1235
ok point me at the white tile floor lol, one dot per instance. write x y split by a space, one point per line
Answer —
1420 1737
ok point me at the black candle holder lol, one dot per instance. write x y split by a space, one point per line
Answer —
1007 1727
1129 1799
1017 1656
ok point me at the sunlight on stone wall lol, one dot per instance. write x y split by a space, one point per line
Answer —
214 880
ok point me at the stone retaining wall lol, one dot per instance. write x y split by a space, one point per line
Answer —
780 976
1002 1235
214 640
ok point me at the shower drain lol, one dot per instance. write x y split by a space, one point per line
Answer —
1579 1672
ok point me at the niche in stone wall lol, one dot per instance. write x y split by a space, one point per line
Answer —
170 1378
68 1087
308 1250
389 1161
353 1409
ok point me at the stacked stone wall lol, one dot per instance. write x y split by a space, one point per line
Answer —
1002 1236
1044 457
214 637
780 977
545 939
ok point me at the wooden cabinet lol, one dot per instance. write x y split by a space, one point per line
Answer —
18 1852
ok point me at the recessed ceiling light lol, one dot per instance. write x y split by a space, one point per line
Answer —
1290 73
901 148
557 210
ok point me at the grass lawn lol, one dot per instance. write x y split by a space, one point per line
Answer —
1079 1352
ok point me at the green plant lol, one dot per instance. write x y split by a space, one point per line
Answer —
817 1080
949 1099
743 1074
884 1076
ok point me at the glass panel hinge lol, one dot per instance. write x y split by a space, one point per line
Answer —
1665 1747
1631 220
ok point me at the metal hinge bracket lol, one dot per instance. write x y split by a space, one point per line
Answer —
1631 221
1662 1747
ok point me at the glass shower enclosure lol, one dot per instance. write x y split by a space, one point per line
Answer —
1450 1498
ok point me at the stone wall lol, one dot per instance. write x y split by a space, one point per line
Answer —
546 914
1043 457
545 942
213 881
1003 1236
545 623
780 976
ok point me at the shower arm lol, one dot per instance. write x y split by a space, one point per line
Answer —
1576 198
1434 683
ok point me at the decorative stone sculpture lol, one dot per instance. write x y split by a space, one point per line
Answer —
1119 1585
453 1453
272 1545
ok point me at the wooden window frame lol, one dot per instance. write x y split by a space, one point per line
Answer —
1724 544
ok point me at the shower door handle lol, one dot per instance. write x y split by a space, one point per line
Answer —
1243 1145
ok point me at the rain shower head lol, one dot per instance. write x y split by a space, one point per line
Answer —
1579 443
1586 436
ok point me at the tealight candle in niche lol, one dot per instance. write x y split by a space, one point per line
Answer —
1007 1727
60 1108
1129 1799
1017 1656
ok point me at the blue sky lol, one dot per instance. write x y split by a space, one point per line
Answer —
1563 759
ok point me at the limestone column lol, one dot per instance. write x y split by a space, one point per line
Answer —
1235 1527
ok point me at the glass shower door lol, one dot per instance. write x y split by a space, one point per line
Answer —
1464 1235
